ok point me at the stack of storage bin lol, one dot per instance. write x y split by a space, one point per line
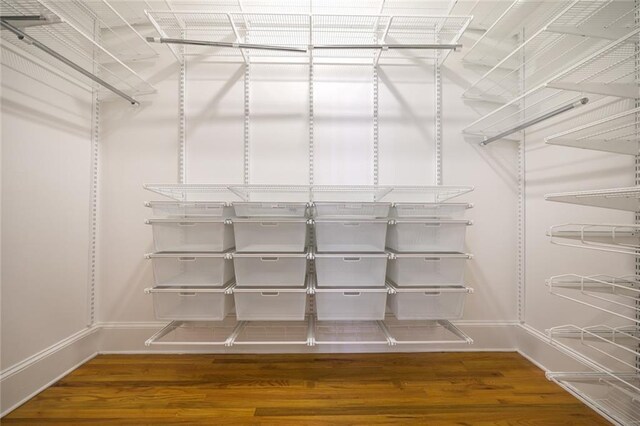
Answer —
426 268
271 261
350 260
192 267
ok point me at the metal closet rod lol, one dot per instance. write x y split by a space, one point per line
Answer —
529 123
191 42
28 39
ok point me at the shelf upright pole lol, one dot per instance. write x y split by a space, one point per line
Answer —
522 194
636 4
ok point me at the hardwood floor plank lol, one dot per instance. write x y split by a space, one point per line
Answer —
361 389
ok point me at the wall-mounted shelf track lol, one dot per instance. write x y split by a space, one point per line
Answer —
239 192
610 71
627 199
573 29
70 39
310 332
617 133
614 295
342 39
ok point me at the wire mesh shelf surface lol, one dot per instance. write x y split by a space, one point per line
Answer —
616 296
614 395
615 198
351 32
574 30
613 238
617 133
69 31
305 193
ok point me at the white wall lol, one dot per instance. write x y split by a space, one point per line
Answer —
46 146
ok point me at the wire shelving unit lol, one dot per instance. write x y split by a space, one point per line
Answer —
627 199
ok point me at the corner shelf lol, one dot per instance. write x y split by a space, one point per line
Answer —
616 296
627 199
303 30
618 133
609 71
69 30
310 332
572 28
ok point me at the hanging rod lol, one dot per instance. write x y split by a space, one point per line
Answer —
32 41
388 46
166 40
529 123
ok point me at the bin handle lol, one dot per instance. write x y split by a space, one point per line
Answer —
432 224
431 293
351 224
269 259
351 259
268 223
187 224
351 293
270 293
186 259
187 294
432 259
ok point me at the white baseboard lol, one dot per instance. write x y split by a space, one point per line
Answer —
22 381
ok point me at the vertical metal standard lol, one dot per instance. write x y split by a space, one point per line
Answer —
376 138
636 5
182 130
311 131
437 82
93 192
521 267
246 149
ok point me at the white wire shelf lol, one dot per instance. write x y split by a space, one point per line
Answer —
69 31
305 193
564 29
616 296
303 30
617 133
599 345
310 332
616 198
610 71
614 395
612 238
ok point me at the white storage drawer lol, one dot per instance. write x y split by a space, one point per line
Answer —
188 208
412 235
191 304
191 235
351 269
431 210
258 209
351 304
277 304
418 269
340 236
282 235
270 269
351 210
192 269
428 303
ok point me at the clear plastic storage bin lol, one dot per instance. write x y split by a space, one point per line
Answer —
191 304
419 269
277 304
351 304
428 303
257 209
191 270
191 235
351 210
270 269
351 270
430 210
188 208
340 236
282 235
413 235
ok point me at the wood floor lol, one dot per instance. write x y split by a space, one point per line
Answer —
430 388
